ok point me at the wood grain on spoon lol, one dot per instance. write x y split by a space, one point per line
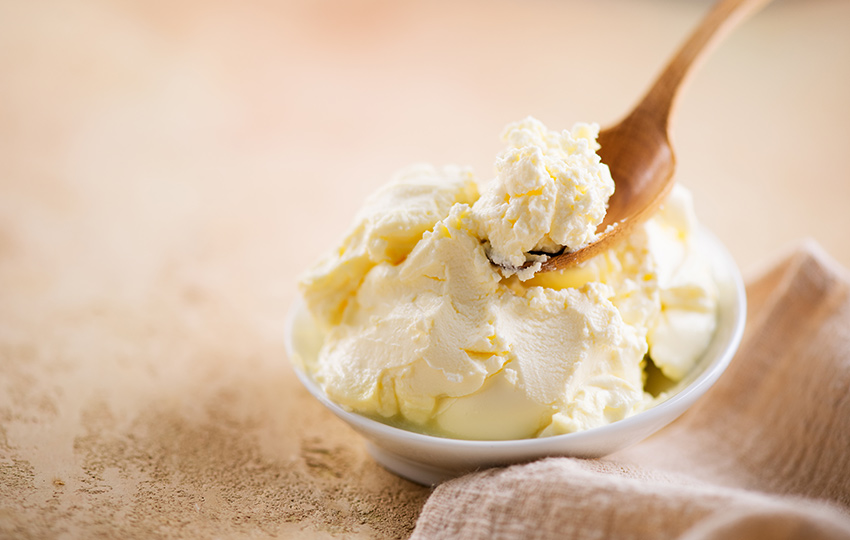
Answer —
638 150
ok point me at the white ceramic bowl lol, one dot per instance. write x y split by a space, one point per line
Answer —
429 460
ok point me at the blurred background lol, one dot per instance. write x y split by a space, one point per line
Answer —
167 169
129 127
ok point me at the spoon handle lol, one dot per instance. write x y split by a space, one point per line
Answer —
723 17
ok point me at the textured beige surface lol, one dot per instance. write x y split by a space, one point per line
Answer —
167 169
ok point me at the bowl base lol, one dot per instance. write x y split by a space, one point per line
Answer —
416 472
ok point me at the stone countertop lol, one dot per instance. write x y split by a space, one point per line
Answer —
168 169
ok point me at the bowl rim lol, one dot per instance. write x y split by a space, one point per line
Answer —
656 414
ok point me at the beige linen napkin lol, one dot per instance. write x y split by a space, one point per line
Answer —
765 454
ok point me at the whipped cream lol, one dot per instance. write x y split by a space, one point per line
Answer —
424 331
551 191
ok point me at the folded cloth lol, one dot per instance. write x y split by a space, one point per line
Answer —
764 454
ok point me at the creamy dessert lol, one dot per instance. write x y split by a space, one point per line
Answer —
436 318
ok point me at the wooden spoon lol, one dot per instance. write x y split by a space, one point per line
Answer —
638 151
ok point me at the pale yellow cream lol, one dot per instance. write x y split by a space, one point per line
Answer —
423 330
551 190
